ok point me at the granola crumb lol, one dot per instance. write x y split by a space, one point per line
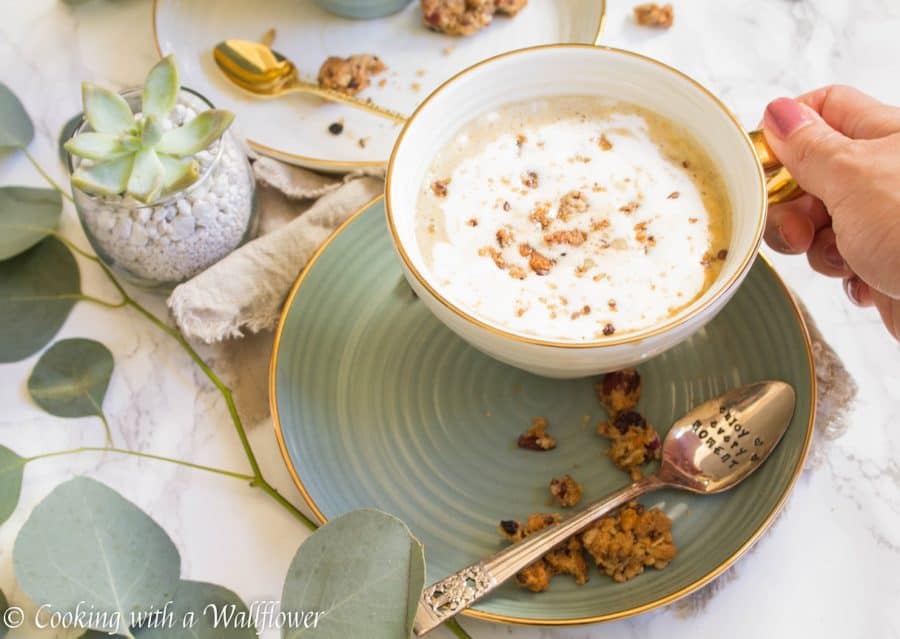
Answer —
382 83
510 7
633 442
609 329
619 391
631 207
530 179
674 195
349 75
458 18
415 86
494 254
654 15
612 304
692 220
504 237
722 254
536 437
604 143
439 187
521 139
362 142
565 491
472 221
572 203
517 272
539 263
584 310
447 50
506 206
572 237
625 543
539 215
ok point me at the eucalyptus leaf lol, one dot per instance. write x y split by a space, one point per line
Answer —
11 468
160 88
146 180
195 135
86 543
364 571
27 215
16 128
201 611
3 607
37 290
104 178
71 377
65 134
106 111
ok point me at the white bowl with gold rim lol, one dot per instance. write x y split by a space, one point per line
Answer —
557 70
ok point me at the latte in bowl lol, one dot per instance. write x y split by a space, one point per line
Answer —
572 218
572 209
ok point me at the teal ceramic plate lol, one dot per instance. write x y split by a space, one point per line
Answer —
377 404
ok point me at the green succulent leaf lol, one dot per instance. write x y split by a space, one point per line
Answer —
65 134
97 146
195 135
214 610
178 173
151 133
11 468
160 88
105 178
71 377
27 215
146 180
106 111
16 128
37 290
364 590
86 543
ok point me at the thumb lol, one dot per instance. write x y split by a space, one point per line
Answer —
805 144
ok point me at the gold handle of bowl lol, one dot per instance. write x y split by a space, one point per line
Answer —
780 185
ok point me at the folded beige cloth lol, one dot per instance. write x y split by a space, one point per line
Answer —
244 292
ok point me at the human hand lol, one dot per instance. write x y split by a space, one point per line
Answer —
843 148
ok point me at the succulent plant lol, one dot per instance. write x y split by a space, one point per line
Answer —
136 156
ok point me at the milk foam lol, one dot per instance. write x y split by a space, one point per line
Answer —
649 248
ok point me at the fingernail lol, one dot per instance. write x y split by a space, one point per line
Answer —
832 256
784 116
853 289
778 240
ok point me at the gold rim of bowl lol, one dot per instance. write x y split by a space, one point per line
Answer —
630 337
487 616
323 163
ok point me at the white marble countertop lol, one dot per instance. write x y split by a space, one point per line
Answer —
829 568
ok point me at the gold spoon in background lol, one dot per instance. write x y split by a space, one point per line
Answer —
256 68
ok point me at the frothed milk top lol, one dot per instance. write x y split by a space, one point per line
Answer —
572 218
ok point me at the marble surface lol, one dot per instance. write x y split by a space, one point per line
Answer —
829 568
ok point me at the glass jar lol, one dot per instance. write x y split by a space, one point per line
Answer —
159 245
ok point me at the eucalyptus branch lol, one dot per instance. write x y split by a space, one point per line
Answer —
135 453
46 175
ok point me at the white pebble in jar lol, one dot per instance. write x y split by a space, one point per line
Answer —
182 235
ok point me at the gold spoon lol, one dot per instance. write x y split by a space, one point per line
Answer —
712 448
258 69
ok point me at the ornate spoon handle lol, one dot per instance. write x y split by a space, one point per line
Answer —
451 595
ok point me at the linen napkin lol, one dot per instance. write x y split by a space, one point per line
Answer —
297 210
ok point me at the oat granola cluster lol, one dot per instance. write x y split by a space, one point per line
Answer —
565 559
465 17
349 75
622 544
633 441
